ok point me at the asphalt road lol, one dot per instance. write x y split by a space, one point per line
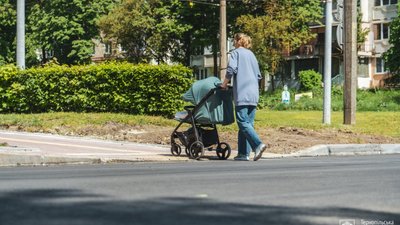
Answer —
325 190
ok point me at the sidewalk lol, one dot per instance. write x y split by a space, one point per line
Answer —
30 149
44 149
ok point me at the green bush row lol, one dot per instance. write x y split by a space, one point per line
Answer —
111 87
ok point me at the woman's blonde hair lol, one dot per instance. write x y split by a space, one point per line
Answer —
243 40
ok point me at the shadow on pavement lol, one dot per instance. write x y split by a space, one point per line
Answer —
70 207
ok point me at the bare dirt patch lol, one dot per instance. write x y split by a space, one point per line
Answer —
281 140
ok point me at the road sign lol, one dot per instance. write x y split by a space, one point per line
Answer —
340 28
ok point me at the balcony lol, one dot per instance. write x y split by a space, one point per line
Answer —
381 46
203 61
365 49
197 60
384 13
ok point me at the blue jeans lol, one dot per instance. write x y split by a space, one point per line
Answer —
247 137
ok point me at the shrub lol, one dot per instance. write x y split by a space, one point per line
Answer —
307 104
310 80
378 100
112 87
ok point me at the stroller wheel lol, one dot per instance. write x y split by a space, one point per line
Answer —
223 150
196 150
176 149
187 152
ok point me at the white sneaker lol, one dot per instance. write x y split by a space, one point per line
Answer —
241 158
259 151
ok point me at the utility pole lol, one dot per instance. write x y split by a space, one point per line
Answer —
350 61
328 63
222 40
21 34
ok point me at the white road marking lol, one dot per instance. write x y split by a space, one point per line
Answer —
65 145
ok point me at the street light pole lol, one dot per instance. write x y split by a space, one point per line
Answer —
222 40
328 63
21 34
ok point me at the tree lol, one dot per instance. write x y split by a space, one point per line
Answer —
203 20
8 21
203 17
283 26
147 29
66 27
392 56
7 29
140 26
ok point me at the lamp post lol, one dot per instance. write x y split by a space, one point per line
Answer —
328 63
21 34
222 39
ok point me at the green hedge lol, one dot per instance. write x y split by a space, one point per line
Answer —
112 87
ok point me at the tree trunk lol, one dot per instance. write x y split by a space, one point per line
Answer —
187 49
43 56
215 59
272 82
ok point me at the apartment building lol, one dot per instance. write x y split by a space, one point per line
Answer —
376 16
109 50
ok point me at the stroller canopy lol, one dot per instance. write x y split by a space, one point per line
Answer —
218 108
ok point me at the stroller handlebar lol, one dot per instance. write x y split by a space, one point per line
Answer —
189 107
218 87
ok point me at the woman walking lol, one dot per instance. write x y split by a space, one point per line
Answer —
244 69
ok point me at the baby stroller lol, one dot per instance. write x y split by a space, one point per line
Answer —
211 106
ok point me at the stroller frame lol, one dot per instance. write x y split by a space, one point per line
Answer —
195 144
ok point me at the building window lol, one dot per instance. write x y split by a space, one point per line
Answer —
382 31
196 72
93 49
198 50
121 48
49 54
201 74
385 2
363 67
107 48
380 65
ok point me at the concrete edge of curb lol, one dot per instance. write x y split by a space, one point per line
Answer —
345 150
11 160
7 160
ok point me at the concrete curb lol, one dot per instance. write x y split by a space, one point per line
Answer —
348 150
23 156
15 156
10 160
41 160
